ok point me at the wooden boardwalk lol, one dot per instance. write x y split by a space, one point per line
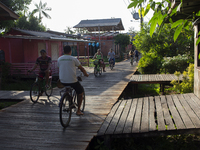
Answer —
162 79
28 126
153 78
153 116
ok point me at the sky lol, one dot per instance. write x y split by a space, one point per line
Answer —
68 13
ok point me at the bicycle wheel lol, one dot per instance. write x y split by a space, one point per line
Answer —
49 90
100 70
75 100
95 71
111 65
65 110
34 92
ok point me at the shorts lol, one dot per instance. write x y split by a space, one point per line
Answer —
42 74
76 86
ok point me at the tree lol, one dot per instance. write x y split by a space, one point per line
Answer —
41 9
69 30
29 23
16 6
123 40
163 15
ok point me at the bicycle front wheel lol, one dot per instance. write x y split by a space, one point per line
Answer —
34 92
65 110
49 90
95 71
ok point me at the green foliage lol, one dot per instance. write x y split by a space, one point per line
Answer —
164 13
16 6
158 47
175 63
123 40
187 84
41 8
150 63
31 23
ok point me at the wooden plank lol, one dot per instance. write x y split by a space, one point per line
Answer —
115 119
195 98
190 99
195 120
152 121
130 117
168 120
159 112
182 112
174 113
108 119
137 118
145 115
121 123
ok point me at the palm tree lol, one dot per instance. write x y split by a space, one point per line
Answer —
41 8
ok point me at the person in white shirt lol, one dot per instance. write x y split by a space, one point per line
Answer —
111 55
67 74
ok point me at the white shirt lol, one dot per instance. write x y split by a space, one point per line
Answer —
67 68
111 54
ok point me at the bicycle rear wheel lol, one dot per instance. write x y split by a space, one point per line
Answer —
75 100
34 92
65 110
49 90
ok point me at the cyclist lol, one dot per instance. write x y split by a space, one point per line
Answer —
67 74
136 55
111 56
131 54
44 61
99 56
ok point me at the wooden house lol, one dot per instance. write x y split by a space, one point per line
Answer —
22 47
109 26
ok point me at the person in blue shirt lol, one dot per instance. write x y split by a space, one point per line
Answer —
111 56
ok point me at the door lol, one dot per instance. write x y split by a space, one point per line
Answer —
54 51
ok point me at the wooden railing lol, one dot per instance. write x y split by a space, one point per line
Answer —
22 68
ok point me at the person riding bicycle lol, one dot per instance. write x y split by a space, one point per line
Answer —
67 74
44 61
136 55
99 56
111 56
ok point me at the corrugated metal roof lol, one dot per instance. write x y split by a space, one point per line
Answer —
103 24
41 35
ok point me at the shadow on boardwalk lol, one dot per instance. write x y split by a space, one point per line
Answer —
36 126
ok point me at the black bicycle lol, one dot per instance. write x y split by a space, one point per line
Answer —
69 104
111 64
38 87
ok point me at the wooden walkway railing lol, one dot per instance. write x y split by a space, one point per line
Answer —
152 116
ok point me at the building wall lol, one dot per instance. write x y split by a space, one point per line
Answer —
106 45
13 50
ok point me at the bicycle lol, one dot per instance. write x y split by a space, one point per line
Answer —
69 103
111 64
97 68
39 87
131 61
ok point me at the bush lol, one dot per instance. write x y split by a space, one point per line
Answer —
176 63
150 63
187 84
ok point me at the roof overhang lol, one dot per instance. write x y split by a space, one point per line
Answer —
6 13
42 38
186 10
113 24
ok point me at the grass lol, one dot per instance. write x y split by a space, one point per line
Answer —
7 103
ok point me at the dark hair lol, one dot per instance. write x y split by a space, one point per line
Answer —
67 49
43 51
